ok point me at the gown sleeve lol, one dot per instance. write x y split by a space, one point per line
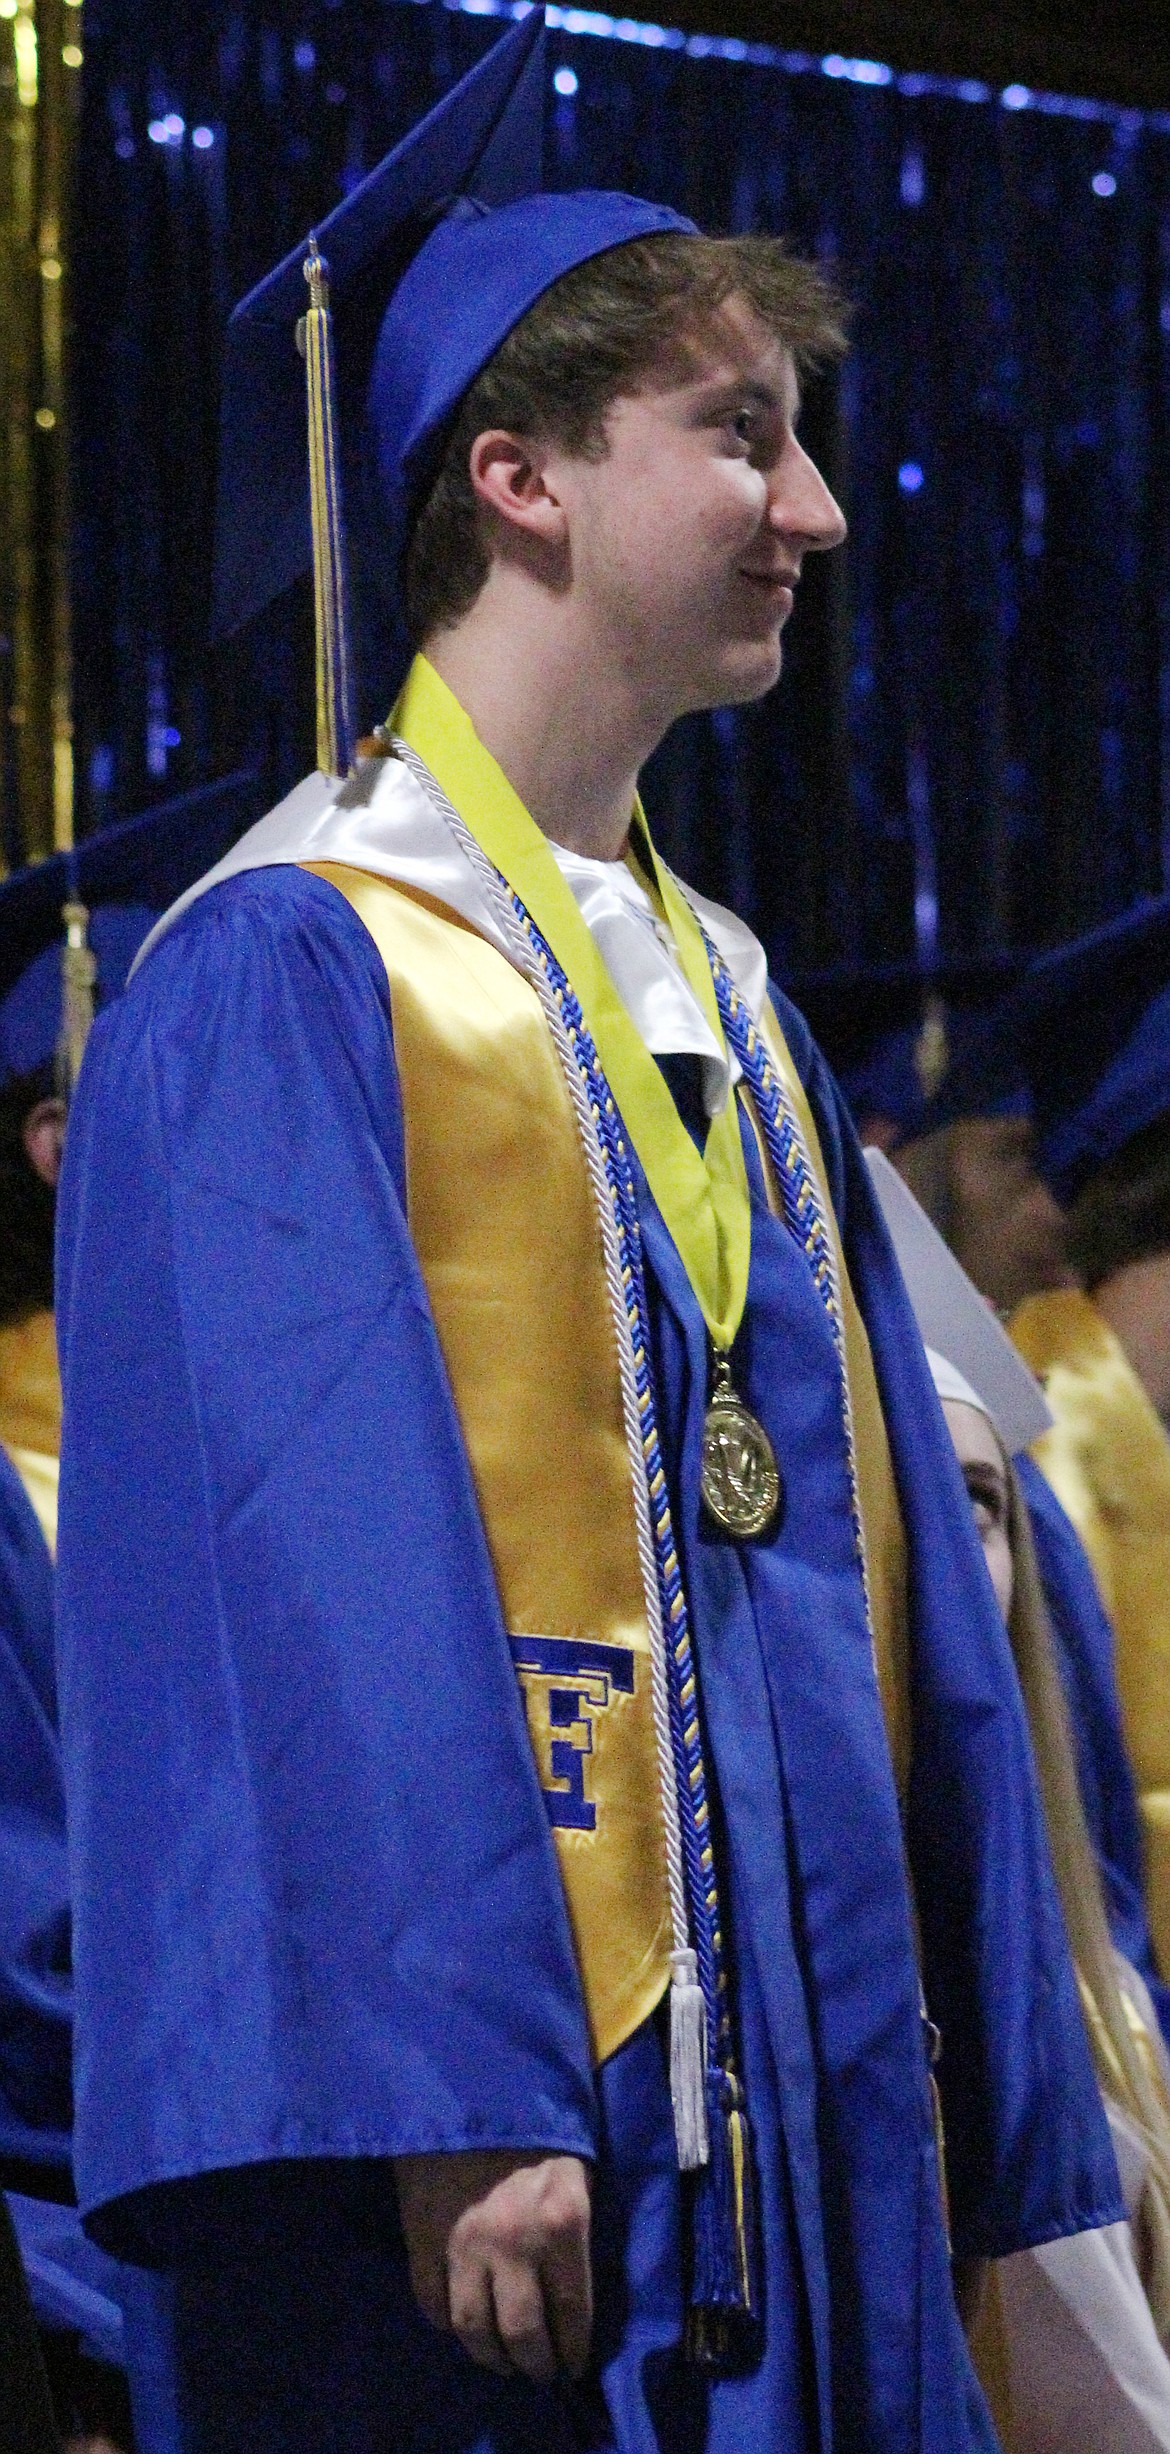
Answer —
34 1877
1028 2153
318 1912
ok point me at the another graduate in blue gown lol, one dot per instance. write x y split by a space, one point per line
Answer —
321 1913
869 1025
1085 1654
78 2293
984 1080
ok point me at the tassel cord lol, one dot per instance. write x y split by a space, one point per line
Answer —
335 727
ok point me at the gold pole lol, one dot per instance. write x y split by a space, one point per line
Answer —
40 57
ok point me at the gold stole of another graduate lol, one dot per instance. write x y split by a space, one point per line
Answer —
30 1412
1108 1461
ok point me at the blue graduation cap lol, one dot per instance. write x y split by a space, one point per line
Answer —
413 283
73 924
1093 1023
984 1074
902 1038
868 1024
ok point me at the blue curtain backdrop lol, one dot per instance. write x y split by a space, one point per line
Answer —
970 747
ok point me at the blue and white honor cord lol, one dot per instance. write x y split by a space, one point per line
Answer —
801 1203
710 2117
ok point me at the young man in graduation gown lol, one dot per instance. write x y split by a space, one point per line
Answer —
54 964
520 1617
1093 1027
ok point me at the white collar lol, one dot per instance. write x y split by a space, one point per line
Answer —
641 958
381 819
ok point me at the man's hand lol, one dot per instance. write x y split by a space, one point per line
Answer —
499 2254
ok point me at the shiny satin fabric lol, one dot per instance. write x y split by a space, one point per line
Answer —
881 1515
703 1197
35 2004
703 1200
502 1218
1108 1461
116 2311
1085 1652
634 940
30 1412
338 1915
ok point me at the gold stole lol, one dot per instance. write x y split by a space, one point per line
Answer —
1107 1458
503 1222
30 1412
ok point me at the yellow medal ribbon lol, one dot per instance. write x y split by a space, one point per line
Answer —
704 1200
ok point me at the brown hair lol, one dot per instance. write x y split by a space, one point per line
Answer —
590 340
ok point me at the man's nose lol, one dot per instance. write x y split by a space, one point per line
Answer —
801 505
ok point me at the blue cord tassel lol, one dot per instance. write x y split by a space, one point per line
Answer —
725 2298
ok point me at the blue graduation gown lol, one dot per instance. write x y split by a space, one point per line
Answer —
74 2286
1085 1652
34 1889
307 1827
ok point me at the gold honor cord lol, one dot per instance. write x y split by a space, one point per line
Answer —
335 733
703 1200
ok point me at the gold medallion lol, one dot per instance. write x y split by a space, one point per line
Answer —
740 1480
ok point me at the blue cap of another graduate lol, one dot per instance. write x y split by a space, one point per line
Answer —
429 264
116 883
868 1023
914 1045
984 1072
1094 1024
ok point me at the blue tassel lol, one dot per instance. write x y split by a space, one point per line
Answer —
725 2301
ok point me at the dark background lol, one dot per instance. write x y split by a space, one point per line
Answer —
970 748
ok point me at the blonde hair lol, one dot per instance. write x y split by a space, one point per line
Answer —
1123 2053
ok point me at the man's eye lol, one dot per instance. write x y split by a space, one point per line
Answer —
744 425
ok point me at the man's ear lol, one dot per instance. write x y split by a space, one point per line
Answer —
510 478
44 1139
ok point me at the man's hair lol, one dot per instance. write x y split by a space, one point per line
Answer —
1123 1213
27 1205
592 339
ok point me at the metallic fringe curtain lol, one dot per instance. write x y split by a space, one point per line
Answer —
970 748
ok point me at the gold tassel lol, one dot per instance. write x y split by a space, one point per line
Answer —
78 975
931 1054
334 718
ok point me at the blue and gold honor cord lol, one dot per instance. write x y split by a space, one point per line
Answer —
723 2288
724 2291
713 2138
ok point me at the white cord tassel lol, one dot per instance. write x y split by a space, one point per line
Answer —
688 2062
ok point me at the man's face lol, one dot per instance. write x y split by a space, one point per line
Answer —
687 538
